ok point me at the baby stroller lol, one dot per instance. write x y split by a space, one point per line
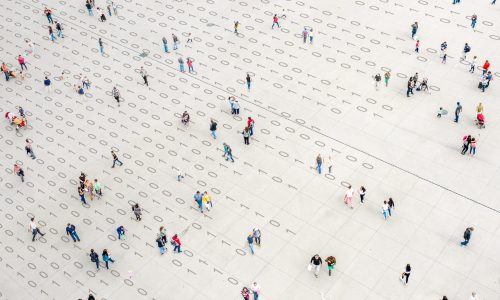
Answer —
480 121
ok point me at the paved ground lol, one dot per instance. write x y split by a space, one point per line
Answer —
305 99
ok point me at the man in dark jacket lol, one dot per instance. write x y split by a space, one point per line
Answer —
467 234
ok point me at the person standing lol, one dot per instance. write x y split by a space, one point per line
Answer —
161 245
109 10
21 62
362 193
473 19
97 188
414 28
250 124
304 35
385 209
81 193
33 228
190 65
101 46
51 34
246 135
198 198
409 89
5 71
417 46
236 107
329 163
458 110
311 36
473 144
165 44
94 257
466 50
213 128
121 232
106 258
245 293
406 274
175 40
249 80
319 162
467 236
59 30
387 76
331 262
179 175
256 235
473 64
255 289
71 231
89 9
486 66
116 94
466 142
250 242
19 171
378 79
275 21
445 56
47 83
115 159
348 196
137 211
181 64
177 243
29 149
316 262
144 75
391 206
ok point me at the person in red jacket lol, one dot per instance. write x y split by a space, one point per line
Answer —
176 242
486 66
250 123
275 21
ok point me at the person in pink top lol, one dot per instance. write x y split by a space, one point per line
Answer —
348 197
275 21
20 59
190 64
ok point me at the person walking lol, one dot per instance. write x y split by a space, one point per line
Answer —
249 81
378 79
409 89
245 293
250 124
116 94
406 274
236 25
385 209
33 228
176 243
189 63
115 159
486 66
165 44
255 289
137 211
5 71
414 28
71 231
250 242
161 245
275 21
387 76
144 76
106 258
473 64
319 162
391 207
59 30
236 107
109 10
81 193
207 200
51 34
97 188
246 135
89 9
362 193
458 110
101 46
315 263
48 13
304 35
47 83
229 154
21 62
19 171
348 196
94 257
257 235
417 46
329 163
467 235
311 36
213 128
181 64
198 198
29 149
473 144
467 139
445 56
466 51
331 262
121 232
473 20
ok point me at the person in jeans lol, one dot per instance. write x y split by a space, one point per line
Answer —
161 245
137 211
121 232
316 262
319 162
176 242
19 171
458 110
385 209
391 206
71 231
246 135
94 257
198 198
33 228
256 235
106 258
29 149
467 235
115 159
213 128
250 242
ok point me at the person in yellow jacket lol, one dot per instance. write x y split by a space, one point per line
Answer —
207 200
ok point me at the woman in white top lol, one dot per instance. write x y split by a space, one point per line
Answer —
348 196
385 209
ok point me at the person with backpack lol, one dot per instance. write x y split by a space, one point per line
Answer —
176 242
161 245
94 257
71 231
466 50
467 236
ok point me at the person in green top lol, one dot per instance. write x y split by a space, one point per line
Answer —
97 188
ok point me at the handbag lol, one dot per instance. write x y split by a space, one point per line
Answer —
309 267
